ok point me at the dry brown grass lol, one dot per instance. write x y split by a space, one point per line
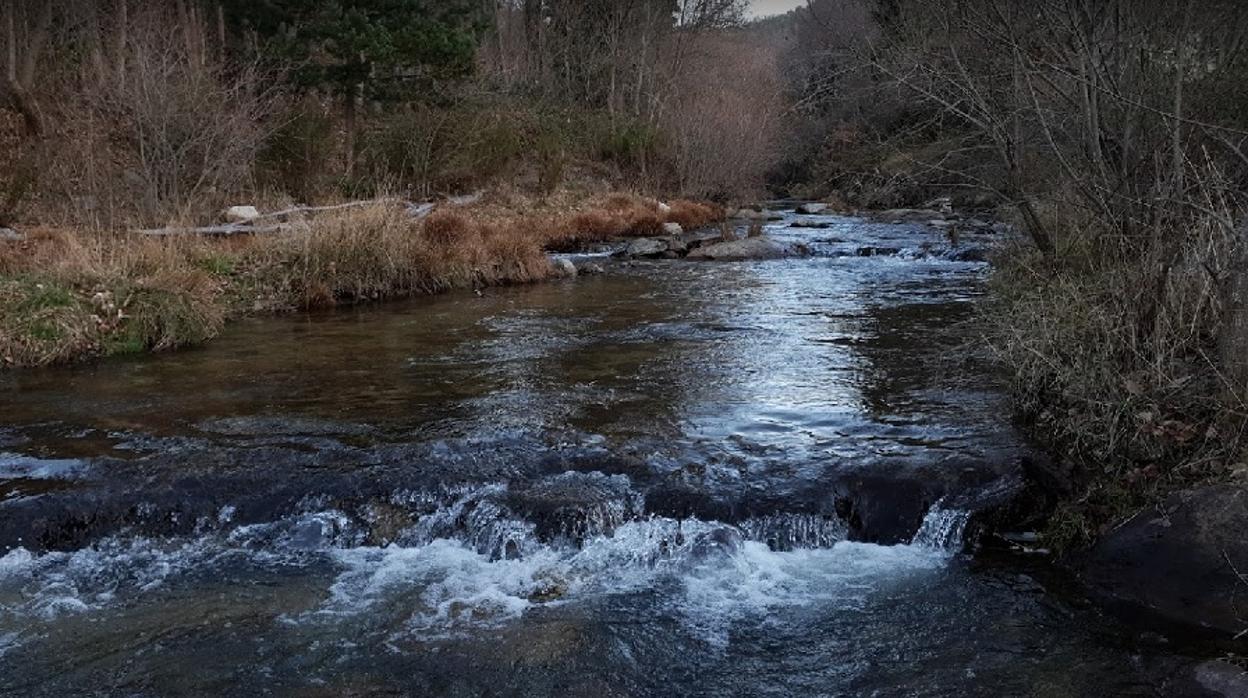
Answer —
692 214
69 294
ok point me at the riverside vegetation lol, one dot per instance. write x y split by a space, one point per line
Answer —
164 114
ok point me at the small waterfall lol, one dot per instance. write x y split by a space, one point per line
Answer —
785 532
942 529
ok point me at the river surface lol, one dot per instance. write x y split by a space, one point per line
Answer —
674 478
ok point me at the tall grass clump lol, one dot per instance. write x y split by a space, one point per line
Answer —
1137 400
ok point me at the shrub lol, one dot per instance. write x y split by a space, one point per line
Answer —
692 215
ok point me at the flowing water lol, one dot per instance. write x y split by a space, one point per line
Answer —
675 478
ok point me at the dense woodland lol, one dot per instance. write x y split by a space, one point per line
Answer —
1111 132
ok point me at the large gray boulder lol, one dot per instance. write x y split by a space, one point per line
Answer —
750 248
1185 561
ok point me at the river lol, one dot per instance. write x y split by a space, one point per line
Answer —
674 478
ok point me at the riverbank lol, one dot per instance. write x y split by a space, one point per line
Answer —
69 295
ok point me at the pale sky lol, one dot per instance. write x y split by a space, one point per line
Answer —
763 8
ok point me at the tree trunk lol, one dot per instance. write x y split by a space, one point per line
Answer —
16 94
349 100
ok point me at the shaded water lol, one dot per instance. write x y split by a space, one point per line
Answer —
674 478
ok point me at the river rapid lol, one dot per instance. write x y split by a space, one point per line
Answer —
673 478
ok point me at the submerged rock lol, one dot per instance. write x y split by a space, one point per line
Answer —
749 249
1186 561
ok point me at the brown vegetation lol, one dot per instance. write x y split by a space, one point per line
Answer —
67 295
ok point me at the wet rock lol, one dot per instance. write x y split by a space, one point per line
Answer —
564 268
909 215
645 247
386 522
10 235
879 251
241 214
1222 679
592 269
968 254
576 506
698 238
676 245
813 225
812 209
1184 561
884 509
759 248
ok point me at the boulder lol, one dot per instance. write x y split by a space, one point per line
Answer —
1221 678
967 254
748 249
812 209
564 267
664 209
10 235
1185 561
672 229
698 238
749 214
241 214
592 269
676 245
645 247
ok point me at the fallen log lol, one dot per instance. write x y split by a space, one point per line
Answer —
414 210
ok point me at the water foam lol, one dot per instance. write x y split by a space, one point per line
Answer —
467 561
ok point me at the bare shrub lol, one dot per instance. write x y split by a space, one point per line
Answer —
160 130
691 215
723 132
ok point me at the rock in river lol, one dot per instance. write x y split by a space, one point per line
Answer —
1186 561
750 248
812 209
645 247
564 268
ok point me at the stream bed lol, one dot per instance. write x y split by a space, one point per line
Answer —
673 478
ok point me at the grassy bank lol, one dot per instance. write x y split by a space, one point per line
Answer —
1125 381
67 295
